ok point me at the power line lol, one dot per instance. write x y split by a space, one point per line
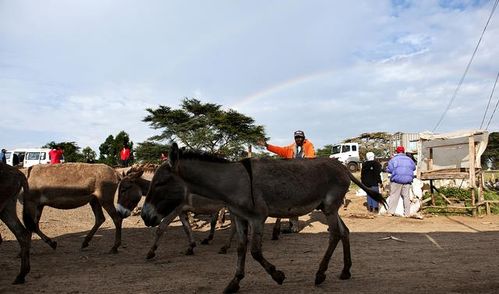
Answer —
492 115
490 98
467 68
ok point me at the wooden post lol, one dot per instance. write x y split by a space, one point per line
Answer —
250 151
471 156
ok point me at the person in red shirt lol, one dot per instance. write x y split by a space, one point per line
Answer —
56 154
125 155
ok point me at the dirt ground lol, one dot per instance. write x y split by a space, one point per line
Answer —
439 254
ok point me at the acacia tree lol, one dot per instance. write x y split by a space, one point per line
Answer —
205 126
377 142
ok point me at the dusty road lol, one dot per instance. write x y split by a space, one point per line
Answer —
436 255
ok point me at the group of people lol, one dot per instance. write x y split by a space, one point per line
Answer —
401 168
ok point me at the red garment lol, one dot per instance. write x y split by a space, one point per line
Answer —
125 153
55 155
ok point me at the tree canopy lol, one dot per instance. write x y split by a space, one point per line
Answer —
71 150
205 126
149 151
110 149
377 142
491 154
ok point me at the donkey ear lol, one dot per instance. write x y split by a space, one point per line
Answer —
174 155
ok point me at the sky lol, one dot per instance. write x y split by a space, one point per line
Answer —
79 71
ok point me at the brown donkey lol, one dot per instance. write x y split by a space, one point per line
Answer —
72 185
11 182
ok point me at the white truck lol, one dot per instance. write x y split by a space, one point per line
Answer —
348 154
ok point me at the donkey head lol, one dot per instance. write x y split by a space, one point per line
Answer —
129 192
166 193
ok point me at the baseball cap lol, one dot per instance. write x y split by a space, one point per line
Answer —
299 134
400 149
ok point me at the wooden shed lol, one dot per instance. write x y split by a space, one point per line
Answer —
454 156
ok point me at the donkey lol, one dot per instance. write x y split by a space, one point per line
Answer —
253 190
11 182
133 186
72 185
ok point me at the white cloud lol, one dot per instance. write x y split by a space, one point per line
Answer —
82 70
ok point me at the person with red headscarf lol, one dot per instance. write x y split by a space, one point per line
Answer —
56 154
401 167
125 155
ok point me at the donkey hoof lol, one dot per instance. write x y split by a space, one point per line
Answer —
319 278
113 250
222 250
278 276
84 245
18 280
233 287
53 244
205 242
150 255
275 236
345 275
190 251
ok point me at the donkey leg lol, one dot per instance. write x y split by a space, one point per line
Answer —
334 237
99 219
188 231
242 233
45 238
226 247
159 232
213 224
23 236
118 221
256 252
276 231
347 257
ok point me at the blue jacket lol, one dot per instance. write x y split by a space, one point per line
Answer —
402 168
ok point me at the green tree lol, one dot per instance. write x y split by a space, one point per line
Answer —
88 154
149 151
110 149
205 126
377 142
324 151
71 150
491 154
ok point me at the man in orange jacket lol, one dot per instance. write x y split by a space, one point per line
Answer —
301 148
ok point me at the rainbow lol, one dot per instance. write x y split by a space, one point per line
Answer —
280 87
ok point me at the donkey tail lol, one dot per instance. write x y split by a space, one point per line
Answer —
374 195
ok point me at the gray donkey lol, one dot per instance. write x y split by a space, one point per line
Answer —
254 189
